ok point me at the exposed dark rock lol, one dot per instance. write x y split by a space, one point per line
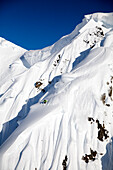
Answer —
108 105
90 119
91 46
103 98
43 90
49 82
91 156
110 91
102 132
64 163
86 41
38 84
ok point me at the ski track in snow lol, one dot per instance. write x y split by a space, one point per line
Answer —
40 126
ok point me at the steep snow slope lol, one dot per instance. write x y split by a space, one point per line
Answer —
9 53
9 61
69 117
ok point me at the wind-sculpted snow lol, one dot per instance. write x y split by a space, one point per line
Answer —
105 18
56 107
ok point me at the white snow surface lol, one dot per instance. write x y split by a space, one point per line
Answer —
75 73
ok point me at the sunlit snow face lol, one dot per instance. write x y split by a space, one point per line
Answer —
56 103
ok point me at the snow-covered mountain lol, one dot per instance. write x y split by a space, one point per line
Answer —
56 104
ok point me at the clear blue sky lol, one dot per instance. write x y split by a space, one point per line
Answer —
34 24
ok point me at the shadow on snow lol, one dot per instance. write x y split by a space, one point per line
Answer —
10 126
79 59
107 159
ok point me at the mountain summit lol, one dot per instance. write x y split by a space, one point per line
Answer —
56 104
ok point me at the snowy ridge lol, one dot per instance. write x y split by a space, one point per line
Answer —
56 104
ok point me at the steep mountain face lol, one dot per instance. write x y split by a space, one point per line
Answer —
56 104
